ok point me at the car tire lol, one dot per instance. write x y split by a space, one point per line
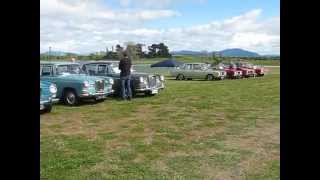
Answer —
180 77
70 98
209 77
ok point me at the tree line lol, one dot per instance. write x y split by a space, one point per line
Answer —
135 51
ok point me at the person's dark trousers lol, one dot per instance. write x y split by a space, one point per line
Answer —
126 87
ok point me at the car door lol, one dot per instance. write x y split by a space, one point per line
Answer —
188 71
198 72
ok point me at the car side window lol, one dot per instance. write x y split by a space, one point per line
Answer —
189 67
109 70
102 69
91 69
46 71
196 67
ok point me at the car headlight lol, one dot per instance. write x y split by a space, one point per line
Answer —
162 78
86 84
141 79
53 88
111 81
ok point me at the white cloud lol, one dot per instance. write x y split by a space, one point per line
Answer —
85 26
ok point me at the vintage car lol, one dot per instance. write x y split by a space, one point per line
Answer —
197 71
73 85
259 70
141 82
231 70
246 72
48 92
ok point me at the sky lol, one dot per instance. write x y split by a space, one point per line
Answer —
85 26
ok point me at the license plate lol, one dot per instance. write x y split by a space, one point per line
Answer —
41 106
155 91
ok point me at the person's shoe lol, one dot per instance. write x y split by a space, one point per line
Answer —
130 98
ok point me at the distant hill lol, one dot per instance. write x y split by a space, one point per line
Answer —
59 53
186 52
236 52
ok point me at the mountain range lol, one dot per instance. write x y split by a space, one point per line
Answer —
235 52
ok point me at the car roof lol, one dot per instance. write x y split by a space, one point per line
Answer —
58 63
194 63
100 62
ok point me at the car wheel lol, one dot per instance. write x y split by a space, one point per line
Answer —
180 77
209 77
70 98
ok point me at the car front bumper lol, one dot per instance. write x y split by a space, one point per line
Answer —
45 104
249 75
149 90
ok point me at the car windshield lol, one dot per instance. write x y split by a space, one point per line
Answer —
70 69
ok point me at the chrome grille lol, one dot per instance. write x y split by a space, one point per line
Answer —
99 84
152 81
158 82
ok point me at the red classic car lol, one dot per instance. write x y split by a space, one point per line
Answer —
258 70
246 71
231 70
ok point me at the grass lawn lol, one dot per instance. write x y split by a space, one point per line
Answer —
192 130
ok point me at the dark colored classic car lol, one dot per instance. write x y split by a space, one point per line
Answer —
141 82
73 85
48 92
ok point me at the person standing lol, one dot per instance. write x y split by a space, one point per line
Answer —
125 77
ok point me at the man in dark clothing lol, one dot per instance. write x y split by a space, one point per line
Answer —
125 76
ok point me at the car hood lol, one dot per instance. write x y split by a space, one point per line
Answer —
79 77
44 84
133 74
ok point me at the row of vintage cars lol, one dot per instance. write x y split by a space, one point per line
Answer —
221 71
71 82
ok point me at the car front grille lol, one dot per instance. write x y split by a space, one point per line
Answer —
99 84
152 81
158 82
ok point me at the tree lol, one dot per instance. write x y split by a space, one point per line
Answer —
152 50
158 50
139 51
216 58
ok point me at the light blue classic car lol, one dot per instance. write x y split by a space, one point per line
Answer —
48 92
72 84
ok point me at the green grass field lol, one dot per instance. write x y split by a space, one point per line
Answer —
192 130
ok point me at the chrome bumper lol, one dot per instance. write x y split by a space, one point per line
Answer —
151 90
